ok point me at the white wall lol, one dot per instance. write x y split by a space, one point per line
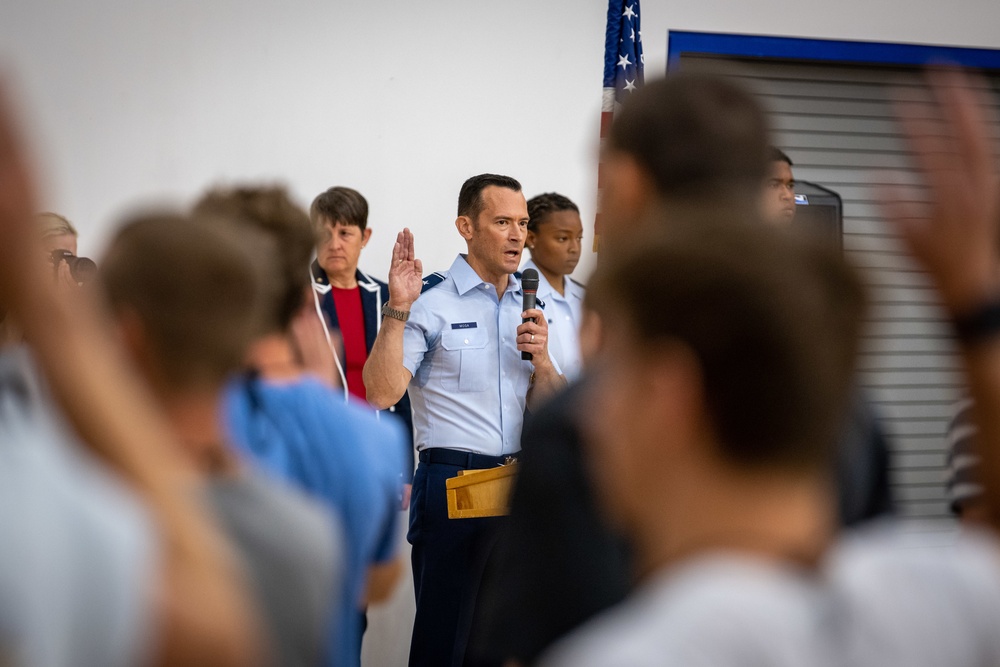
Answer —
402 100
136 99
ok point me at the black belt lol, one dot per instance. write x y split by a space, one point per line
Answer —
467 460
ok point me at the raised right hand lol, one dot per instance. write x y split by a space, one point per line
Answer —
954 235
405 274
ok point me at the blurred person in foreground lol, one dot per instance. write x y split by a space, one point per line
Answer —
351 300
555 233
731 508
687 147
107 558
687 143
187 298
297 427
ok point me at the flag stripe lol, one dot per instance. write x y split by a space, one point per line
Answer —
623 73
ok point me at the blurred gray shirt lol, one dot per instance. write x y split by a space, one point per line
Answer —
77 551
885 596
294 555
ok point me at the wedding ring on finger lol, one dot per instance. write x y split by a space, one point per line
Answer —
532 338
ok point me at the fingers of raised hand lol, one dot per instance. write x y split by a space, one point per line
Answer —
408 246
962 102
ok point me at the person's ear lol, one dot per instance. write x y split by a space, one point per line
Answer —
464 225
365 235
134 336
530 240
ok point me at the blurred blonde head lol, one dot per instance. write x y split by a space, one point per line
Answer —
57 232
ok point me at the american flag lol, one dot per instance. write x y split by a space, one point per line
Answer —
623 67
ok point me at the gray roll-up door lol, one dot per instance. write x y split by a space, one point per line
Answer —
835 123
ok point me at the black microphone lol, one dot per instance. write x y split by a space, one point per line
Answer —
529 286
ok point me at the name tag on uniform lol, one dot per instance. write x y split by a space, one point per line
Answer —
464 325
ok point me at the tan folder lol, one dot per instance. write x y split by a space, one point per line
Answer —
480 493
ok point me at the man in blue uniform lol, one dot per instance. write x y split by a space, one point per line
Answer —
455 339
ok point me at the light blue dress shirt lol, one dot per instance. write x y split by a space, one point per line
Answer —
564 313
469 383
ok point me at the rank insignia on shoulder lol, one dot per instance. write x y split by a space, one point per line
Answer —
431 281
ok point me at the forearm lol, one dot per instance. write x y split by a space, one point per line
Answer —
547 381
385 376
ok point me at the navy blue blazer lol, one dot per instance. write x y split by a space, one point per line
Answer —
374 293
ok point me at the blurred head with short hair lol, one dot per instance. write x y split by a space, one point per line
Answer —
271 211
186 296
686 142
732 347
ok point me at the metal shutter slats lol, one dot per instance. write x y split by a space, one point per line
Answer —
835 122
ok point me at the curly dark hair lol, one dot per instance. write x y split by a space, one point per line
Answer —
541 205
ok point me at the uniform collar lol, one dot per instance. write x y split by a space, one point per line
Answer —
466 279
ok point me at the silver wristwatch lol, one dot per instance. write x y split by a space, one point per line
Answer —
401 315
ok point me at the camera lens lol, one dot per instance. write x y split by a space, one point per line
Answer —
81 268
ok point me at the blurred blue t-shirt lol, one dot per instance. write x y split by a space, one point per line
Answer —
340 454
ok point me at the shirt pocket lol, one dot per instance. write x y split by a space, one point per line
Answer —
468 359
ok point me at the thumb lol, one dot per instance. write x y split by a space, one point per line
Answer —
418 266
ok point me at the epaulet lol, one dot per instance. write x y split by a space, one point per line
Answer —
432 281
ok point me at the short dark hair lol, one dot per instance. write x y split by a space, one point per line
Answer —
270 210
341 205
542 205
775 154
699 136
470 197
772 317
196 289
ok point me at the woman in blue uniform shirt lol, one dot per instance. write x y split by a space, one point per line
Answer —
555 233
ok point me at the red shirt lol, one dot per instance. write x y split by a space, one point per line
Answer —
351 319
